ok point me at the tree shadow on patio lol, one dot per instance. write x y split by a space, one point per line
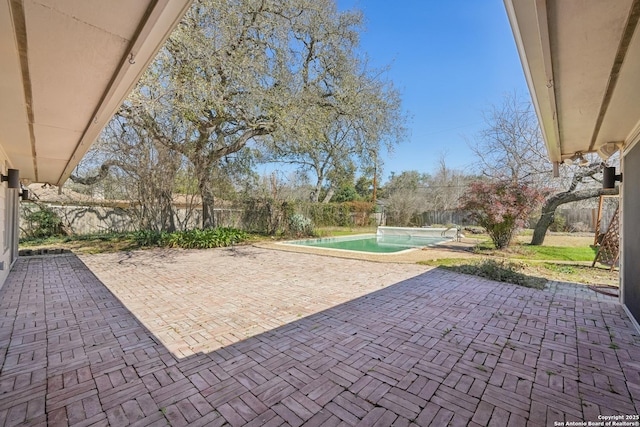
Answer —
439 347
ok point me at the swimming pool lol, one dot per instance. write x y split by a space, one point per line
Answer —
371 243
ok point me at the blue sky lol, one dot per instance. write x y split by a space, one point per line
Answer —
451 59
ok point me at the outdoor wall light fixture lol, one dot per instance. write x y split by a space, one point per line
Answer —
578 158
609 177
24 194
609 149
13 176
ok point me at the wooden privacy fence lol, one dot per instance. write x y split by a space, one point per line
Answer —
576 219
444 217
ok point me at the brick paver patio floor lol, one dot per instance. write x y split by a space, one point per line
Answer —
264 338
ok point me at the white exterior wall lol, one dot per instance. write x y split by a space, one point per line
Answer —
8 222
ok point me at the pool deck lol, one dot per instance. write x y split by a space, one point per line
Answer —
254 336
448 249
370 244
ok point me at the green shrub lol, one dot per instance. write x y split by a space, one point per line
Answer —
327 214
346 193
271 216
191 239
205 239
264 215
145 238
361 212
41 223
559 223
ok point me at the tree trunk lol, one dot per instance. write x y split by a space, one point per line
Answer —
550 206
167 212
329 195
208 214
315 193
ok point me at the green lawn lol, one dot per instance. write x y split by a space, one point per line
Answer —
556 253
538 253
344 231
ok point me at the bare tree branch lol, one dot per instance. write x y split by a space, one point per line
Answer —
103 172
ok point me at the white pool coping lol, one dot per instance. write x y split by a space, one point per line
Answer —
297 244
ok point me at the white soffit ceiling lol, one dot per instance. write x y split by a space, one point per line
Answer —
66 67
582 61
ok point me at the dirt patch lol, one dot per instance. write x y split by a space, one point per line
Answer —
88 246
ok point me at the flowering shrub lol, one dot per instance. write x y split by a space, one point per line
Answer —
500 207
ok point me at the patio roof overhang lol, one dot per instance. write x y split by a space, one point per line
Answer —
581 60
66 67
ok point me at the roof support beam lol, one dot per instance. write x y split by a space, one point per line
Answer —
545 41
623 47
530 26
16 8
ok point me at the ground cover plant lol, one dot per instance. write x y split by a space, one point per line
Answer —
500 270
111 242
205 239
561 272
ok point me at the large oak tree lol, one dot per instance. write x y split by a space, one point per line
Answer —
237 71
